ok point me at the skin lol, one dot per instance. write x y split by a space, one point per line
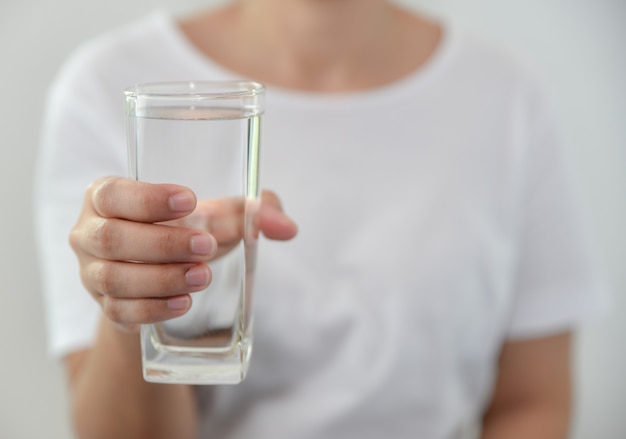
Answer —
314 45
117 226
533 392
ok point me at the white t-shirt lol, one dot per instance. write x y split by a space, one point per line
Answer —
436 221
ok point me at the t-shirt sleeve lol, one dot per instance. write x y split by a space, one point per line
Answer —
560 281
81 141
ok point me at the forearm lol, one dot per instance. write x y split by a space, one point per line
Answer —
532 397
527 420
111 399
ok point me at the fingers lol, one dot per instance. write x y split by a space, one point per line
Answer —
122 240
140 272
128 280
222 218
131 294
272 221
143 248
129 313
115 197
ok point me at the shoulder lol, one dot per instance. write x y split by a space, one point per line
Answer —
120 44
93 78
477 60
482 74
110 59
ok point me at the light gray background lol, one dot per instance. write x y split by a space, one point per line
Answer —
577 47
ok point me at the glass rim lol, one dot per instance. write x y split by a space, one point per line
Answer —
204 89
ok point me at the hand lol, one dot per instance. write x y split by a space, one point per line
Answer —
141 253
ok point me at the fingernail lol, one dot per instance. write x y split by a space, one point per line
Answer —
179 302
203 245
181 202
197 276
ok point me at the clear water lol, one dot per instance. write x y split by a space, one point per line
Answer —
215 153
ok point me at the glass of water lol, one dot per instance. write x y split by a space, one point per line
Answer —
205 136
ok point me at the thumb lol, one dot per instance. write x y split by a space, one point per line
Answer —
272 220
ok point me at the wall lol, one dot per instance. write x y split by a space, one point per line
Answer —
577 47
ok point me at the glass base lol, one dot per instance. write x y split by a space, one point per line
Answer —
201 366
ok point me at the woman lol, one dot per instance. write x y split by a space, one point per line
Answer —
439 269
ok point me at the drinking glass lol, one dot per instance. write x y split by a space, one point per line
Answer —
205 136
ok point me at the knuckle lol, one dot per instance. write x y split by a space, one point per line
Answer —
103 194
164 280
102 276
74 238
103 236
128 312
143 312
112 308
147 200
167 242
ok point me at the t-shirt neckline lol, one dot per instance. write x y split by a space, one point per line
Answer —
409 84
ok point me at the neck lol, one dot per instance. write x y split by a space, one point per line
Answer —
315 45
317 33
